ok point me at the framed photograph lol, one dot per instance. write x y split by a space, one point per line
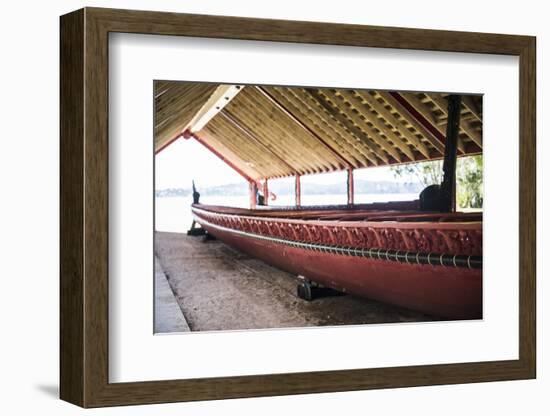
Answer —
255 207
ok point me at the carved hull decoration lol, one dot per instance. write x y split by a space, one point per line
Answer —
431 262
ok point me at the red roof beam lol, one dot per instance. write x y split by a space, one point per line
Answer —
420 118
168 143
187 134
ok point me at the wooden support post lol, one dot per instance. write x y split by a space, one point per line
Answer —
448 186
253 189
298 191
351 194
265 191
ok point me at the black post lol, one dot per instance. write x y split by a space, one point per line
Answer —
448 186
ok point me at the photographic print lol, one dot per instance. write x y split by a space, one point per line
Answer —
292 206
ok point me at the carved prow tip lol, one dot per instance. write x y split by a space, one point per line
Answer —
196 195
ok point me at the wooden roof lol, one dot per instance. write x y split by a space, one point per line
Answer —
272 131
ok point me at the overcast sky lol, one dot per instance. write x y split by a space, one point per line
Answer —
185 160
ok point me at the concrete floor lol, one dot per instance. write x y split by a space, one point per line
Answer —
168 315
219 288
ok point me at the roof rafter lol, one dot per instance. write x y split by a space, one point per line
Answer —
355 130
393 121
379 124
275 128
251 157
175 108
358 122
442 104
217 101
407 111
428 116
470 103
340 158
252 137
297 99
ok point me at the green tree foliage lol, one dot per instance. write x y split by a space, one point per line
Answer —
469 177
470 182
427 173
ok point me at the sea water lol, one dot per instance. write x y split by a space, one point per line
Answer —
173 214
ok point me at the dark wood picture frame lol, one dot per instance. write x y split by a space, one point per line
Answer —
84 207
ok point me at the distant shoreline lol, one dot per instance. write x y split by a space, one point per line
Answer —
360 186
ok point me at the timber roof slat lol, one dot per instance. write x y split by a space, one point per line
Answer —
228 153
344 121
428 113
176 108
464 126
397 107
284 136
378 123
313 122
284 125
247 148
393 121
336 130
360 123
473 105
250 135
321 141
231 138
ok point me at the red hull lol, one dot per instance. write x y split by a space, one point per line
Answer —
451 292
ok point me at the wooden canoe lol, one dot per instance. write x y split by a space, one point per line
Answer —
390 252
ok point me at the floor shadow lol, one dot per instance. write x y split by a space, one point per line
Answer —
49 390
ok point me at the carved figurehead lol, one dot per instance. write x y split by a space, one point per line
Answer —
196 195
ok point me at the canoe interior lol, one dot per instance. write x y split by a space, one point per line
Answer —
407 211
